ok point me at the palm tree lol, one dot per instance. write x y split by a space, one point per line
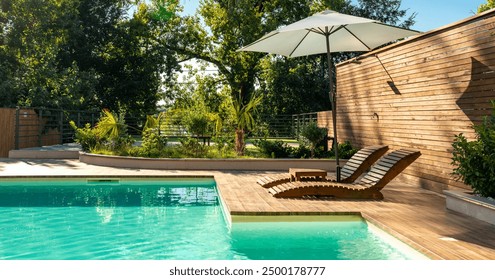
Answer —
153 122
244 118
110 125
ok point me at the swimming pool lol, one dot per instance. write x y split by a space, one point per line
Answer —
176 219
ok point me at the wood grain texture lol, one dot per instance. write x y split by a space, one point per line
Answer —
7 125
419 94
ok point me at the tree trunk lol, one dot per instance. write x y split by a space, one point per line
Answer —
239 142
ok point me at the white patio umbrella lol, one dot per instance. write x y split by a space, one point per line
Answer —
328 32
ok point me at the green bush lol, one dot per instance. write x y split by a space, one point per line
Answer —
474 161
198 124
346 150
224 146
312 136
109 133
86 136
261 130
152 144
191 147
304 152
274 149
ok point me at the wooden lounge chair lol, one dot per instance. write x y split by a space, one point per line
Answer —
368 187
354 167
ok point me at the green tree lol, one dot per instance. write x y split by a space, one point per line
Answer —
7 85
81 54
32 34
7 61
244 119
490 4
123 53
229 25
293 86
222 27
386 11
201 99
131 66
312 135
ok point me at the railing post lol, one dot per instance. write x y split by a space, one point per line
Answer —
17 129
40 127
61 126
294 124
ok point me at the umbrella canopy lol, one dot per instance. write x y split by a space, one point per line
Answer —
346 34
328 32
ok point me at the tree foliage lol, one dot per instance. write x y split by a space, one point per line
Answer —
312 136
490 4
293 86
220 29
115 54
288 86
386 11
80 54
228 25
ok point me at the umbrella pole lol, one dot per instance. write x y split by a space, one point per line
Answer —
333 99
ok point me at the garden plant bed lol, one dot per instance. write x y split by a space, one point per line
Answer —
472 205
207 163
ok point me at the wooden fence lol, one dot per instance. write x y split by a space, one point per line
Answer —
7 124
32 131
418 94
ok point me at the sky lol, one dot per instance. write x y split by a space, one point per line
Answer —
431 14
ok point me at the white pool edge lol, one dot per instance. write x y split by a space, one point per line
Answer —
409 251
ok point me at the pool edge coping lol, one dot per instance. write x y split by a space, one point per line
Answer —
402 238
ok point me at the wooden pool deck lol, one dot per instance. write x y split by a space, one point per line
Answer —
416 216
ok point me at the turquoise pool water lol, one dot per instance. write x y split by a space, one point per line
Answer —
161 219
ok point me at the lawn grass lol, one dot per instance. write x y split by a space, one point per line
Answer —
285 140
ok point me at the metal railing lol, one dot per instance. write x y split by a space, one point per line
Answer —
285 126
301 120
36 127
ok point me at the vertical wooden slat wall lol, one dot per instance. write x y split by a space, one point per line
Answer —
7 125
29 131
418 94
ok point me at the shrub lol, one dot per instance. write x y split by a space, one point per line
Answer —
346 150
474 161
153 144
224 145
190 147
197 124
274 149
86 136
312 136
109 133
304 152
261 130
